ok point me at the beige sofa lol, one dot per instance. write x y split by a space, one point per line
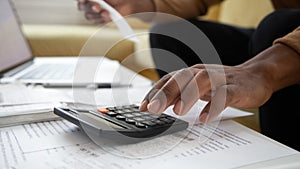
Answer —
48 39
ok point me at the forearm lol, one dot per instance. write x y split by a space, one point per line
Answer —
184 8
145 6
279 66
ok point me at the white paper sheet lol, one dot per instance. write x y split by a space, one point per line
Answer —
48 135
119 20
15 93
25 109
230 145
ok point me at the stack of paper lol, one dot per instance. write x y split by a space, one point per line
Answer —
21 104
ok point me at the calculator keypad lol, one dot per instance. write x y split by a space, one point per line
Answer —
133 116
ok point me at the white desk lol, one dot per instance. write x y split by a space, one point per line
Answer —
289 162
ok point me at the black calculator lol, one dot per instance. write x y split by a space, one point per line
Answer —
126 120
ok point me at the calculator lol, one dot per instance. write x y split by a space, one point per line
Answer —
126 120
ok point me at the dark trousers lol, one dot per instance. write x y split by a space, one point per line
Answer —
280 116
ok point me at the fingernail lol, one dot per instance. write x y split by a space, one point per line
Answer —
154 106
203 117
104 14
95 9
179 108
143 105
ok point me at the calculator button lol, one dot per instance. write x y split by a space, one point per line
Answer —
148 118
120 117
166 120
134 106
111 113
118 107
130 121
145 113
171 118
111 108
163 115
137 114
149 123
140 125
126 106
135 109
154 116
138 119
103 110
159 122
128 115
120 112
127 111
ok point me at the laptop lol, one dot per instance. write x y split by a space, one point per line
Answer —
17 63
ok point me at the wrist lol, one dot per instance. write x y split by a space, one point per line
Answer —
278 65
263 71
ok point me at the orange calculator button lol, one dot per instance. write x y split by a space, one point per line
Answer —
103 110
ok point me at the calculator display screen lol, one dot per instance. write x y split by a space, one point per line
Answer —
103 121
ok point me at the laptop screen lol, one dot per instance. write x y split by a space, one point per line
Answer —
14 49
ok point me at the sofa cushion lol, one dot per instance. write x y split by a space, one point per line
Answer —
244 12
68 40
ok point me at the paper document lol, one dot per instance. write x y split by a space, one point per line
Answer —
60 144
12 94
48 135
22 104
119 20
23 109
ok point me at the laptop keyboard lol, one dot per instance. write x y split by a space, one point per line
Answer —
51 71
